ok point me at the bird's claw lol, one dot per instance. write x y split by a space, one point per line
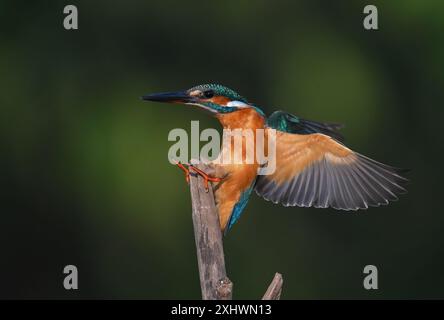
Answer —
204 175
185 170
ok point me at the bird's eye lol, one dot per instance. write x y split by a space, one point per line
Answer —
208 94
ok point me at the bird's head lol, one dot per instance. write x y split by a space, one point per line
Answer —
212 97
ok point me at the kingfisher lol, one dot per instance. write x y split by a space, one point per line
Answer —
313 167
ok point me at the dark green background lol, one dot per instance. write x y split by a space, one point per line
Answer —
85 174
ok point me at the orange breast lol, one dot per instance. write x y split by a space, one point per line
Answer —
237 177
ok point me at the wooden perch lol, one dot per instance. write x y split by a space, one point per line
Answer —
275 288
214 283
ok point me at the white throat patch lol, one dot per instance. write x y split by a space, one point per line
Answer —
236 103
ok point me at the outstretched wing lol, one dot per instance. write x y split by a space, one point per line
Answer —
315 170
286 122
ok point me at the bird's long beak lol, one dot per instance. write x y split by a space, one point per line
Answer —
171 97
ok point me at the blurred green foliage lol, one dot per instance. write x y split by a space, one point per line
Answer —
86 179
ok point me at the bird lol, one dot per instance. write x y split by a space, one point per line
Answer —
314 168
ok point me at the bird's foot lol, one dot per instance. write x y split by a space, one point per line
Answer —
185 170
204 175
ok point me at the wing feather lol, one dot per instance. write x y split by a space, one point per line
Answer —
316 170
